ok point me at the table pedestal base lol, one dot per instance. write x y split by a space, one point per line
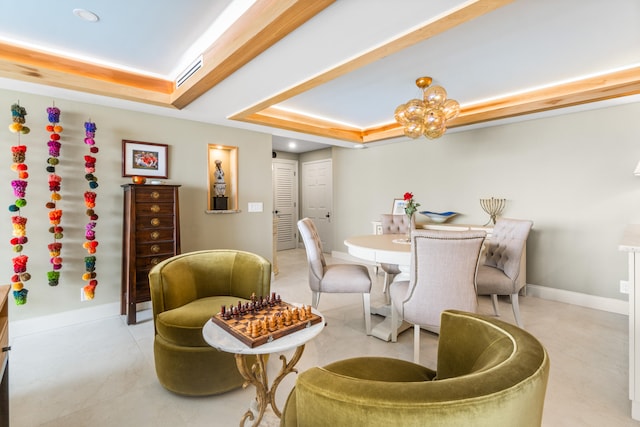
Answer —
383 329
256 374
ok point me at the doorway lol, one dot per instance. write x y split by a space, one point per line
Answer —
285 201
317 198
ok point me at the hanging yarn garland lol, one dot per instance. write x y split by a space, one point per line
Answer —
90 202
18 221
55 215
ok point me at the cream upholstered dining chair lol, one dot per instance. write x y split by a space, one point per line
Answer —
392 224
442 277
333 278
500 273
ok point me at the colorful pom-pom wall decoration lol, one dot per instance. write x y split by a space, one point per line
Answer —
55 215
18 221
90 243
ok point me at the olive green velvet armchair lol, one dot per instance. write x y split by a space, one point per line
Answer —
489 373
186 290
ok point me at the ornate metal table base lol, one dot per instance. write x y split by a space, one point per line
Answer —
256 374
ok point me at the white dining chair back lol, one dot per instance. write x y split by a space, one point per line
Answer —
333 278
442 277
500 272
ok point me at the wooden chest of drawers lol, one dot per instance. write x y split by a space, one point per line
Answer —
151 233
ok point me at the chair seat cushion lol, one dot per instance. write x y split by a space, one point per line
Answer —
348 278
381 369
491 280
182 326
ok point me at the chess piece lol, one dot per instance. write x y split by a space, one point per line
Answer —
307 309
294 315
255 329
279 320
272 324
302 314
287 317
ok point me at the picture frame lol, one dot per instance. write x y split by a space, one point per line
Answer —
146 159
398 206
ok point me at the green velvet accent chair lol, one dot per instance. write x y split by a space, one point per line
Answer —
489 373
186 290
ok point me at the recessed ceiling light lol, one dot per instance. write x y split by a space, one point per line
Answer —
292 144
86 15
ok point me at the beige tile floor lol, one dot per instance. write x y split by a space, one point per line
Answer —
102 373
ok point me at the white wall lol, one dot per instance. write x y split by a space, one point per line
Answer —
187 142
571 174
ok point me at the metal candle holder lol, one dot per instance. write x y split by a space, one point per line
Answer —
493 207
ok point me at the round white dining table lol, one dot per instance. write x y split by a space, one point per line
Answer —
379 248
383 248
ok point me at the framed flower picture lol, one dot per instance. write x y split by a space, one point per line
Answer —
144 159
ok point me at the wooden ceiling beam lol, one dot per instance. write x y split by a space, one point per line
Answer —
591 89
300 123
263 25
34 66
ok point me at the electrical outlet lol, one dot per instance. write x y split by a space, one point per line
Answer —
624 287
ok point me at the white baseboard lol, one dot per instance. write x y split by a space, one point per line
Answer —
611 305
19 328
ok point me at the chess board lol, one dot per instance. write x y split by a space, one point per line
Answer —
239 326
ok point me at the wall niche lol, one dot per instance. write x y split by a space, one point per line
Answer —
222 193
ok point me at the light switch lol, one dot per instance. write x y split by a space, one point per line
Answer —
255 207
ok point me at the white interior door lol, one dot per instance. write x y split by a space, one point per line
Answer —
285 201
317 198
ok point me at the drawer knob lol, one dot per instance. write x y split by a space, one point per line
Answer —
154 235
155 222
155 208
155 261
155 195
155 249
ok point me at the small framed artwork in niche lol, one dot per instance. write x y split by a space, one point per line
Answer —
145 159
222 191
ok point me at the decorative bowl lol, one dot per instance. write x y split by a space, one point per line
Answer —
138 179
439 216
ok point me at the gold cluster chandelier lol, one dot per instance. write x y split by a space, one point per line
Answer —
427 116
